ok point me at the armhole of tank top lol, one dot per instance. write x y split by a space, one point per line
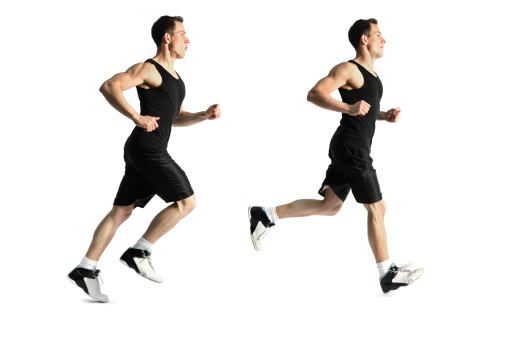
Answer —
161 77
364 80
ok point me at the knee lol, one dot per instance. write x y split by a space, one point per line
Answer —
187 205
377 209
121 213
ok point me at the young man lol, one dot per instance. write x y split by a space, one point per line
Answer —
149 168
351 165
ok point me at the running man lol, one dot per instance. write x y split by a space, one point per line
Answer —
149 169
351 165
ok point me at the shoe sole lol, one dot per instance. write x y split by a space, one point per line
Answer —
73 282
396 286
140 274
264 234
251 234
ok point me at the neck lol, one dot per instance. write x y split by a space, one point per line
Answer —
365 59
165 58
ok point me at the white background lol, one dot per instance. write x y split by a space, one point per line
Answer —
441 170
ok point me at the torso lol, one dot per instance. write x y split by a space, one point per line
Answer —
357 132
161 95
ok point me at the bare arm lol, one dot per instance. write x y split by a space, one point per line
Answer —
112 89
186 119
340 76
392 115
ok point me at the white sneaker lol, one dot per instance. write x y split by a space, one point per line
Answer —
396 277
88 281
140 261
260 225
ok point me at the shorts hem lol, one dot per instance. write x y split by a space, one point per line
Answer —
369 201
340 194
139 202
179 198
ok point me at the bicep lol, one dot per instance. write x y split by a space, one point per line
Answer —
336 78
134 76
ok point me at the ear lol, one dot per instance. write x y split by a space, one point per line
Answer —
167 38
364 40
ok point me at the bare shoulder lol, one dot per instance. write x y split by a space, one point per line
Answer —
147 73
348 74
142 69
343 70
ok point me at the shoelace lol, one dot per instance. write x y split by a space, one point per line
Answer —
404 267
149 261
101 283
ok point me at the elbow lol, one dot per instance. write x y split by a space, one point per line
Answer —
105 88
176 122
311 96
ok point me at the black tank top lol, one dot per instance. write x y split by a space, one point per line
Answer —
356 132
163 101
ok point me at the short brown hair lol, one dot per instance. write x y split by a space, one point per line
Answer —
359 28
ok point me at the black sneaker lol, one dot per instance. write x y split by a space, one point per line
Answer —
88 281
140 261
259 225
396 277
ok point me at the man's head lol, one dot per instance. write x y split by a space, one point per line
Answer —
170 30
165 24
364 32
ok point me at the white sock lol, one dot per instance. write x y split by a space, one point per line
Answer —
143 244
271 212
383 267
88 264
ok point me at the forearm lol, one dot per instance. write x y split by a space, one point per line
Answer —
117 100
324 100
186 119
382 115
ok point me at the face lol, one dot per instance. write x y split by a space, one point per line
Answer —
179 41
376 42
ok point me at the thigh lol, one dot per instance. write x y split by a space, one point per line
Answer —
133 189
356 167
363 183
331 199
164 176
336 182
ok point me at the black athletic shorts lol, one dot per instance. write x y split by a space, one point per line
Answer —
352 169
149 172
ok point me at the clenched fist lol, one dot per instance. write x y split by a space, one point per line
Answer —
393 115
213 112
359 108
148 123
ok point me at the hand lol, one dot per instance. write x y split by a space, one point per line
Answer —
359 108
148 123
393 115
213 112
